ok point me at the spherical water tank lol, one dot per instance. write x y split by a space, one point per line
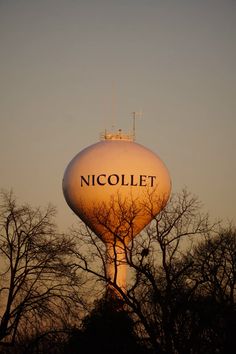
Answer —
115 169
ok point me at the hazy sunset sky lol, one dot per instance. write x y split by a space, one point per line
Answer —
71 68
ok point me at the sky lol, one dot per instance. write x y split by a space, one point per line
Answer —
69 69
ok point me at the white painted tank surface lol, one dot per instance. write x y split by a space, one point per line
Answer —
111 186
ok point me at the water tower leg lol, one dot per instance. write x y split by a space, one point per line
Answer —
116 265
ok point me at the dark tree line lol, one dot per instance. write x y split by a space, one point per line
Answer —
56 297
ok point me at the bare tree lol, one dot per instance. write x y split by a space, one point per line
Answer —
212 281
215 266
154 258
37 287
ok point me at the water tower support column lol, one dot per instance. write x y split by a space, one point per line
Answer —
116 267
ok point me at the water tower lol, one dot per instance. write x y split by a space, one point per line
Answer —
109 185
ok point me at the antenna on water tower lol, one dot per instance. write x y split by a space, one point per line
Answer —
113 105
135 115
